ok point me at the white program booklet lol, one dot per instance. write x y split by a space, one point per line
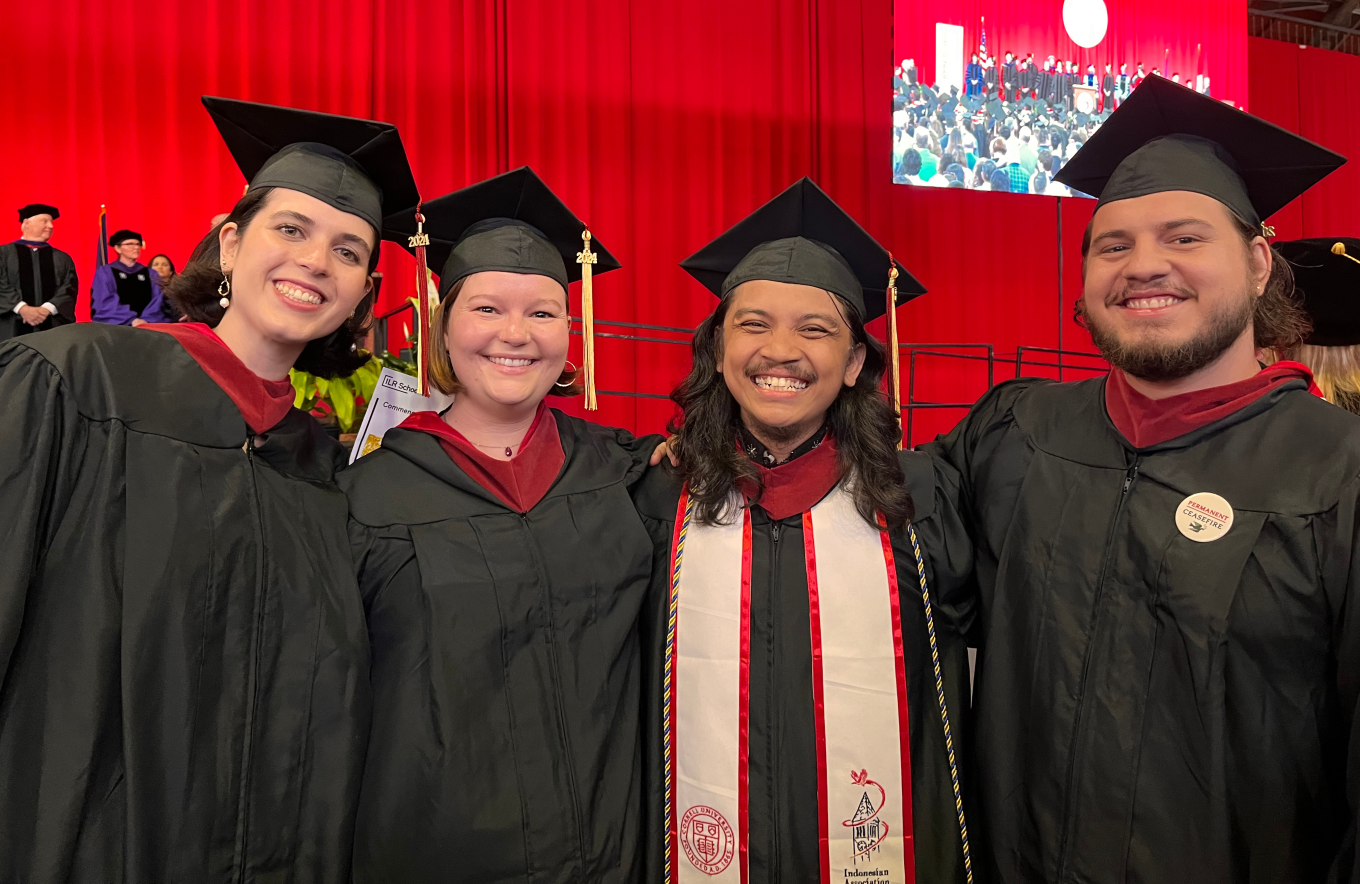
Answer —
394 399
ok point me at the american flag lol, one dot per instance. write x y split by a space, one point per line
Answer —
982 43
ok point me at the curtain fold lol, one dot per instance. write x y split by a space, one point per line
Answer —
660 124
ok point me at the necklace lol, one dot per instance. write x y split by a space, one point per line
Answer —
509 452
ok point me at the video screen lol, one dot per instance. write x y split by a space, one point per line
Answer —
998 95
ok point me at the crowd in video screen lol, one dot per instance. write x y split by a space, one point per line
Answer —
1014 122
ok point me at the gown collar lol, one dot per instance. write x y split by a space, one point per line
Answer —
521 482
797 484
1144 422
263 403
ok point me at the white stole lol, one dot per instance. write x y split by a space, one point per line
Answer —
859 694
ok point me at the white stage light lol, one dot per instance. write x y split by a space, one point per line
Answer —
1085 21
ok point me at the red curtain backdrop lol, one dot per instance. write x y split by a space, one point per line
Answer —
660 124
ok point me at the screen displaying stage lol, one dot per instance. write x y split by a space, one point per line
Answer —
997 95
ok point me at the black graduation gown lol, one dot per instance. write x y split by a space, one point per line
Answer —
182 711
782 765
505 665
1150 708
45 275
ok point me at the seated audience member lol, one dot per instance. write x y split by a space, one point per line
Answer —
929 161
909 170
1037 182
1000 182
1019 181
126 291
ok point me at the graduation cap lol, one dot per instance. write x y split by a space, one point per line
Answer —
121 236
356 166
512 223
32 209
802 237
1166 137
1327 275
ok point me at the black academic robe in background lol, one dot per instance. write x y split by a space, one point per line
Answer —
782 750
506 665
44 275
1151 708
191 710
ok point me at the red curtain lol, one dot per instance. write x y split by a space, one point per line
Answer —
660 124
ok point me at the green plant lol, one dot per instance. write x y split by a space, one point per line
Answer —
343 399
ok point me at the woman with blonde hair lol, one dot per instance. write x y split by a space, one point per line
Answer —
503 567
1327 278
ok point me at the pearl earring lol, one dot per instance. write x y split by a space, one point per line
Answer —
224 289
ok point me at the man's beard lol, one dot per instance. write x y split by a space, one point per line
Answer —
1160 362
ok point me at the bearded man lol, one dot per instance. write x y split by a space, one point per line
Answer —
797 695
1167 557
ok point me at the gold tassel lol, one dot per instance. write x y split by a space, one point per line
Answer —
586 258
418 243
1340 249
894 356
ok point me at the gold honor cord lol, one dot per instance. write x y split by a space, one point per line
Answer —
1340 249
586 258
894 357
419 242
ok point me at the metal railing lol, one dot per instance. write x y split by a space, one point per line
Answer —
1281 25
1060 360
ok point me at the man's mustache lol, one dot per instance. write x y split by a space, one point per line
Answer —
782 370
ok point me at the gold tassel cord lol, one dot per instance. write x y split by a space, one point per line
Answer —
894 355
1340 249
586 258
419 242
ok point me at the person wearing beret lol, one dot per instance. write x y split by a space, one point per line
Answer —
183 658
1327 279
37 281
127 292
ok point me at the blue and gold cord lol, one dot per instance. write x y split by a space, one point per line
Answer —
666 683
944 709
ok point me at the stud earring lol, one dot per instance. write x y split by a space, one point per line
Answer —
224 289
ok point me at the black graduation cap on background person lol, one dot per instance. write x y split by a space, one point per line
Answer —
354 165
1327 276
802 237
32 209
512 223
1166 137
121 236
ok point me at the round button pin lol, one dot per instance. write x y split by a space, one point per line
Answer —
1204 516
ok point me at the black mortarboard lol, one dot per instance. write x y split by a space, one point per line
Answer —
122 236
512 222
803 237
1167 137
1327 277
32 209
357 166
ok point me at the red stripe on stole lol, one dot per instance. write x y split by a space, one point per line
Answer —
744 702
903 719
818 698
674 834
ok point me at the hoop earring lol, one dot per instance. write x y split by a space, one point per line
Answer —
224 289
573 371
